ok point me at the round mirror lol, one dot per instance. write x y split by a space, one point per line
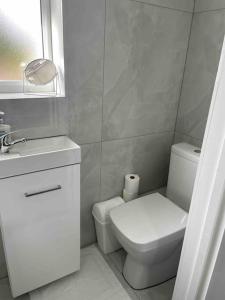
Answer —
40 71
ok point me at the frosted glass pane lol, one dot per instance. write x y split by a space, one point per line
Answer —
20 36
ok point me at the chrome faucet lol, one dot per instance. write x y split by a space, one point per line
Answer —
6 142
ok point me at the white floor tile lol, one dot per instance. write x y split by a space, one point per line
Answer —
115 261
118 259
161 292
95 281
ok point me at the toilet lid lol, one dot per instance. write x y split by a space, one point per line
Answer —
149 220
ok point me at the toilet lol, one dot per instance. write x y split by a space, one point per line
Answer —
151 228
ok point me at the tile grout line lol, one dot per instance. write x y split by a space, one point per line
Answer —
187 135
162 6
137 136
129 137
209 10
184 70
103 92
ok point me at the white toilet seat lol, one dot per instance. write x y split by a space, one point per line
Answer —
150 221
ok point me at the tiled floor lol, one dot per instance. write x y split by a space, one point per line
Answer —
95 281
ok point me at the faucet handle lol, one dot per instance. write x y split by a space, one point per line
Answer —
23 140
6 143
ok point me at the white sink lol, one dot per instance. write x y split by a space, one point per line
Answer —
38 155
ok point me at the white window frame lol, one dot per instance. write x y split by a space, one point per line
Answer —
52 42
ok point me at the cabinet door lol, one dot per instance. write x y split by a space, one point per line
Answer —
40 223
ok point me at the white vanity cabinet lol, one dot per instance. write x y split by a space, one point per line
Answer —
40 224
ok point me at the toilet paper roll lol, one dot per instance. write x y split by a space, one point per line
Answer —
129 196
132 182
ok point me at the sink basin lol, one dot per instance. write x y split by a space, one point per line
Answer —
38 155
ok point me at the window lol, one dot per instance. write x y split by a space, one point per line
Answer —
26 34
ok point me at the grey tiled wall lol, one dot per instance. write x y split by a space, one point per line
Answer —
207 5
124 62
206 40
144 59
124 66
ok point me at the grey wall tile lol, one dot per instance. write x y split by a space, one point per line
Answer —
147 156
84 47
144 60
3 269
200 74
90 190
203 5
35 118
186 5
178 138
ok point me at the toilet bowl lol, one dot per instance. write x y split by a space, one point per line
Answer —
151 228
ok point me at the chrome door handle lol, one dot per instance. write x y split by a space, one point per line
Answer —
58 187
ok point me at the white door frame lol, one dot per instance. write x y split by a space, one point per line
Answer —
206 221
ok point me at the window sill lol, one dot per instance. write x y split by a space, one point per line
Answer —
14 96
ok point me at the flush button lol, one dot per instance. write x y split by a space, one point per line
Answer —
197 151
